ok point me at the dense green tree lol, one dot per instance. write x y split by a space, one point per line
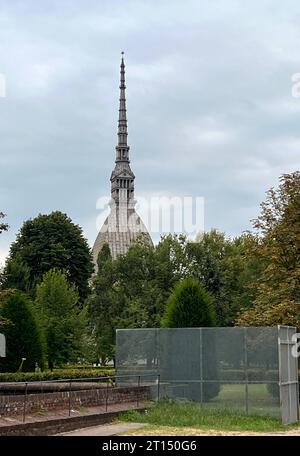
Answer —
124 295
102 306
47 242
62 319
16 275
276 242
132 291
241 270
188 306
24 337
207 255
191 306
227 270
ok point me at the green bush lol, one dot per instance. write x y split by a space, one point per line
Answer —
254 374
25 345
57 374
189 306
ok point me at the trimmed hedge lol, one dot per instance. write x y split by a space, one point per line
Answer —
254 374
57 374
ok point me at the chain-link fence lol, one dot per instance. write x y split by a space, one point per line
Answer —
236 368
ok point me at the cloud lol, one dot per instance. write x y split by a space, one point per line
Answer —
209 104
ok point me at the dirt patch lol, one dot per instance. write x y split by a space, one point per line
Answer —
185 431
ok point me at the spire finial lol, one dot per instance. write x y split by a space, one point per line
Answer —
122 149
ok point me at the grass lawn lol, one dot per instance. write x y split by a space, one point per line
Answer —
260 401
169 417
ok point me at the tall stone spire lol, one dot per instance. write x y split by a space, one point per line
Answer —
123 226
122 178
122 149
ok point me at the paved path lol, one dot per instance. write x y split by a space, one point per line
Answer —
130 428
104 430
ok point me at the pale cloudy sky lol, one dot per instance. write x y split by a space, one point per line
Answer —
209 102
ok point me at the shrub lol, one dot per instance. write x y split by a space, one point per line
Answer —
57 374
24 338
189 306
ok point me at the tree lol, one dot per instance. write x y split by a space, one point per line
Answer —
207 255
3 226
16 274
124 295
132 291
227 269
24 337
61 317
101 306
277 244
189 305
240 272
47 242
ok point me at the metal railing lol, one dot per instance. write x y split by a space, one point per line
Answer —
106 384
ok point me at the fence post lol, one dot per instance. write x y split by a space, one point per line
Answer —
106 397
201 365
70 390
25 401
246 371
138 391
158 387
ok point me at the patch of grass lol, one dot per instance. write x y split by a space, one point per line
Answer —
232 396
193 415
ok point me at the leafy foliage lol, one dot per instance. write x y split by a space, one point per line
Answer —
63 320
277 244
227 270
189 305
132 291
48 242
24 338
16 275
56 374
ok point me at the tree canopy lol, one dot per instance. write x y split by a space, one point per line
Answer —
276 242
189 306
24 338
61 317
47 242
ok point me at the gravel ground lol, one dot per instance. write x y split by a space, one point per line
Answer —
182 431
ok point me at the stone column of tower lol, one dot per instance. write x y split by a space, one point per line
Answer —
123 225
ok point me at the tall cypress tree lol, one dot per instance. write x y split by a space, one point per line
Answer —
189 306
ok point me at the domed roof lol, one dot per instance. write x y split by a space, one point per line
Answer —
119 236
